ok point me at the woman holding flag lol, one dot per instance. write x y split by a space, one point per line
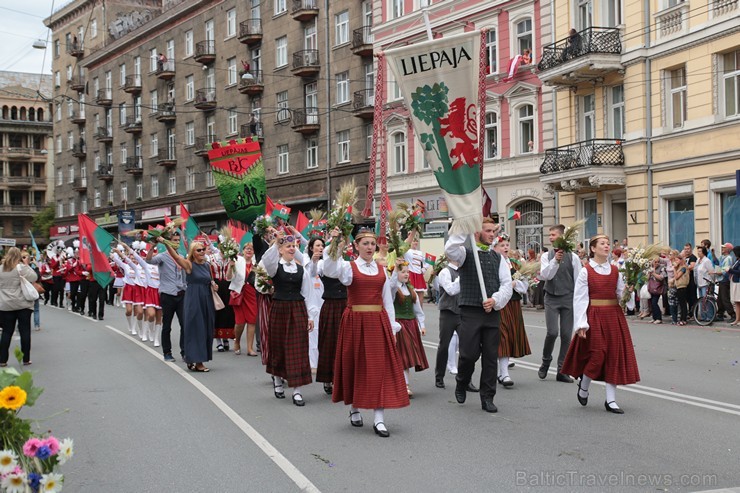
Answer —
417 266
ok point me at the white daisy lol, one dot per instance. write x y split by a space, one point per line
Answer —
66 450
8 461
14 483
51 483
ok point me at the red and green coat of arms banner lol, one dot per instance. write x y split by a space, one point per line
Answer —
439 80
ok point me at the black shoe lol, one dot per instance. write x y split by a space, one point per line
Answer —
356 423
506 381
328 388
220 348
472 388
460 393
562 377
168 358
381 433
280 394
582 400
100 317
439 383
615 410
488 406
298 400
226 348
542 372
512 365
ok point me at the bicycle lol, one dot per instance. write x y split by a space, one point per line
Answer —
705 310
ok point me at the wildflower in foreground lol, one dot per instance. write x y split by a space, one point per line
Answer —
53 445
43 452
31 447
8 461
14 482
66 450
12 397
34 481
51 483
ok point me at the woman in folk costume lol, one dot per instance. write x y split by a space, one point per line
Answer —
368 372
410 316
243 299
128 298
221 271
513 341
314 252
602 346
417 266
291 318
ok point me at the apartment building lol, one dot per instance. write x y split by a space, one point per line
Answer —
519 124
171 77
25 161
647 106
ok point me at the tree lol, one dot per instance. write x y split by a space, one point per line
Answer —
43 221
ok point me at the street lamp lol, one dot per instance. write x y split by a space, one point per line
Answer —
39 44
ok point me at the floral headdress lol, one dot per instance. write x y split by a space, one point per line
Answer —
500 238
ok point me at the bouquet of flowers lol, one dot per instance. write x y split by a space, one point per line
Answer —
262 224
263 282
396 221
567 241
165 232
637 262
340 215
412 218
316 225
28 462
226 245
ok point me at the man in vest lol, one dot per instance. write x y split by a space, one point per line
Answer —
479 318
559 270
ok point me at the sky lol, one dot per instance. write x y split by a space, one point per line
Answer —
22 23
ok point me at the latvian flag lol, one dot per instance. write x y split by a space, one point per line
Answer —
513 67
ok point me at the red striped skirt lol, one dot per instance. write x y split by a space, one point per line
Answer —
513 342
329 320
288 341
410 347
606 353
264 302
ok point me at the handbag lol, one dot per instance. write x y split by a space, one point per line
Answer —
30 293
217 303
235 299
655 287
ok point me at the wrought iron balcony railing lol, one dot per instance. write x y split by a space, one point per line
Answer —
205 51
306 58
586 42
596 152
305 117
253 129
250 30
202 144
362 37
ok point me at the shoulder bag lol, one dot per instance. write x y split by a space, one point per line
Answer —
30 293
218 304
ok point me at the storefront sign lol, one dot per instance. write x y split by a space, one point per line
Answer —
156 213
7 242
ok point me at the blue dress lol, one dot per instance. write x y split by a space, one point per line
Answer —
200 315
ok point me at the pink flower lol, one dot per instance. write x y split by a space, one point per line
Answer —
31 447
53 445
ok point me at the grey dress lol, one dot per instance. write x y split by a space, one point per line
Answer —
200 315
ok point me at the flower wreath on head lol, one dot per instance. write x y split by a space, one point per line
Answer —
400 263
500 238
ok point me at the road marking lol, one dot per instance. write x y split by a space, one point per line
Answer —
269 450
691 400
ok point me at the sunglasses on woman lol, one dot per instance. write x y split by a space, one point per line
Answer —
200 250
289 239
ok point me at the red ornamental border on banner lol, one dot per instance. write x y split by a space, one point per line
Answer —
378 140
482 106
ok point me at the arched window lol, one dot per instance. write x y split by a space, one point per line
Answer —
40 115
525 129
14 113
32 114
6 112
398 141
23 113
529 226
524 35
491 135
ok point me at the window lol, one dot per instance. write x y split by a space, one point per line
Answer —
59 144
188 43
524 36
189 134
190 178
343 146
57 79
60 176
138 188
153 101
154 190
281 52
232 122
231 23
394 90
124 153
617 112
677 103
70 140
231 70
491 51
731 83
153 60
60 208
96 198
588 117
72 211
341 28
94 28
57 48
69 72
396 9
96 161
312 153
491 135
70 108
70 173
189 88
282 105
210 181
122 114
399 152
283 159
110 195
589 214
59 112
583 15
280 6
124 191
171 182
730 213
153 145
343 88
122 74
96 85
681 222
209 28
368 128
613 13
525 116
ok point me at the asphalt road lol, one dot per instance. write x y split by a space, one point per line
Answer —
142 425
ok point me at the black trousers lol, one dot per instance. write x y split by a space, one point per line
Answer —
449 322
96 295
82 295
57 292
48 286
8 321
691 294
683 306
479 336
74 289
724 304
111 294
172 305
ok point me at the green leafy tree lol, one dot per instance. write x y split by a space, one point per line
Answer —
43 221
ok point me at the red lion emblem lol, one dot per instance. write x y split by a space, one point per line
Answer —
460 123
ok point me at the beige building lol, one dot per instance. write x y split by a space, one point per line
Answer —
646 144
152 83
25 161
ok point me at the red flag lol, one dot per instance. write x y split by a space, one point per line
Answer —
98 242
301 221
167 219
430 259
269 206
487 204
513 67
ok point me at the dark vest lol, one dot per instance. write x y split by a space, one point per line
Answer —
404 309
287 285
563 283
469 285
333 289
446 301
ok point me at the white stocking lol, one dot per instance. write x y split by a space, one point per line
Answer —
611 394
585 384
503 367
379 416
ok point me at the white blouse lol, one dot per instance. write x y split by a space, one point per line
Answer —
581 298
396 286
271 259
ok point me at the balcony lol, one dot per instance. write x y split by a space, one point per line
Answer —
105 173
104 97
77 50
205 51
166 156
584 166
18 152
134 165
78 117
20 181
305 10
724 7
76 83
362 41
250 31
79 151
104 135
165 70
205 99
203 144
587 57
133 125
252 84
672 21
23 209
166 113
80 184
363 104
306 63
132 84
254 129
306 121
